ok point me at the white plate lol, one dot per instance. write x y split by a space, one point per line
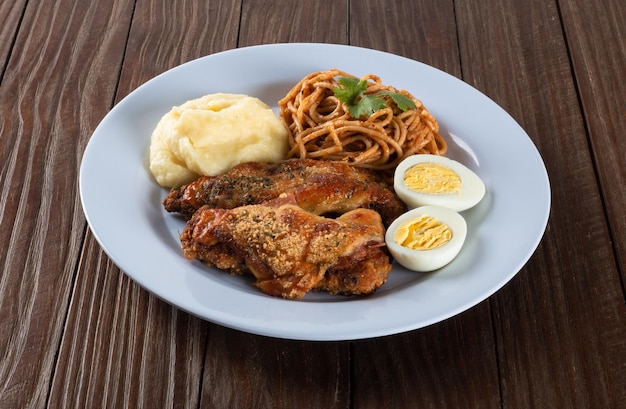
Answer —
123 203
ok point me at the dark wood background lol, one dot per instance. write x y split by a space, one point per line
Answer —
76 332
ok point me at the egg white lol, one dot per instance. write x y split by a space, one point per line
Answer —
428 260
472 187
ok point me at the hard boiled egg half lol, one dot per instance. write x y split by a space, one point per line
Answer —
425 179
426 238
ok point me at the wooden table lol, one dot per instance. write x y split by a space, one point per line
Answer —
75 331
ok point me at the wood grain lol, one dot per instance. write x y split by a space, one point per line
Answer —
596 37
249 371
293 21
451 364
163 36
10 17
41 223
421 30
122 342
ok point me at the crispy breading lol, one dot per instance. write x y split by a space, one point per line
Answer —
291 251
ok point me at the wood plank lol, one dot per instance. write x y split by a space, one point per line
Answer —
56 60
10 18
453 363
449 364
121 341
249 371
308 22
421 30
598 53
558 326
164 36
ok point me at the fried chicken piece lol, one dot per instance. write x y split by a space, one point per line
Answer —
320 187
291 251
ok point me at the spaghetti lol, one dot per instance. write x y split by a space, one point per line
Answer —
320 125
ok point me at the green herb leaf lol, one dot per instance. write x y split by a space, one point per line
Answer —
402 101
352 89
367 105
352 93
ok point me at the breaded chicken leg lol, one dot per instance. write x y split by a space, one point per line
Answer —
291 251
320 187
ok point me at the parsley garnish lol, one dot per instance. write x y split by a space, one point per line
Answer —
352 93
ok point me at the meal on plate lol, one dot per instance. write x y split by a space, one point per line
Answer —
314 199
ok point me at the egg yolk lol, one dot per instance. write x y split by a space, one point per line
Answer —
422 233
432 178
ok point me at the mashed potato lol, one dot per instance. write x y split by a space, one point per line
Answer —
211 134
